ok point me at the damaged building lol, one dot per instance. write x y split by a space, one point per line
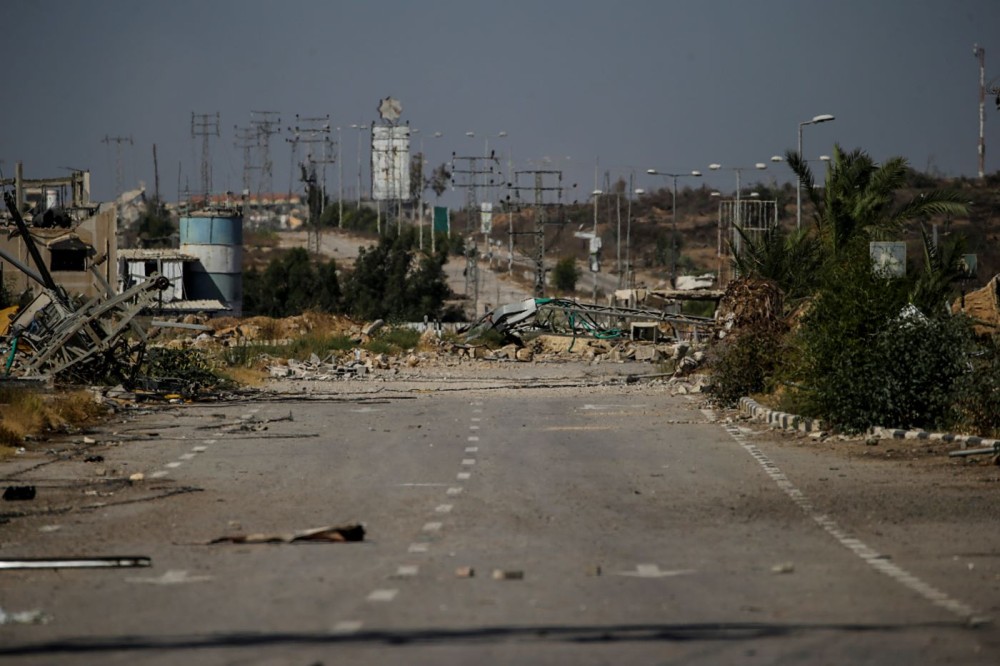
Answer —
72 233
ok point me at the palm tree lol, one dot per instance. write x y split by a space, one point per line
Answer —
859 198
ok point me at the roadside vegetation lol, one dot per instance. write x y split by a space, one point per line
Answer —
851 343
391 280
25 412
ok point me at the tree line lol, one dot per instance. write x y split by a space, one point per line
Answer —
390 280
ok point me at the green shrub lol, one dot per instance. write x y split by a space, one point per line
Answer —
743 363
980 401
393 341
866 358
565 274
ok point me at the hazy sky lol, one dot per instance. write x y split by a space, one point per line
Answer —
624 85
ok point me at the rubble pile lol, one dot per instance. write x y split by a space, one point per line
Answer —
749 303
317 370
983 306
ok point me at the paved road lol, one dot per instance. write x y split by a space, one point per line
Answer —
632 527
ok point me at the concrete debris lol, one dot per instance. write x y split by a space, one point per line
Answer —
317 370
372 328
509 574
343 534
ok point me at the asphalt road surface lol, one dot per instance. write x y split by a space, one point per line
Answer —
529 514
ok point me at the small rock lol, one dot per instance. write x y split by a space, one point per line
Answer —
783 568
872 441
135 478
501 574
89 440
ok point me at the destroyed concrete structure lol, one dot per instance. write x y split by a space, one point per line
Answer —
79 338
72 234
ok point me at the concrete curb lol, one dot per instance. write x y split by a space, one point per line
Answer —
776 419
786 421
964 441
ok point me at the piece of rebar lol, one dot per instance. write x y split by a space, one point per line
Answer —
76 563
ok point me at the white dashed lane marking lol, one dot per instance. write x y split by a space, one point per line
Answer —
462 476
159 474
407 571
869 555
432 527
173 465
383 595
418 548
473 438
347 627
454 490
468 461
443 508
472 449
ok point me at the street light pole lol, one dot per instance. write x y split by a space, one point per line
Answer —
628 236
826 117
673 220
593 243
340 181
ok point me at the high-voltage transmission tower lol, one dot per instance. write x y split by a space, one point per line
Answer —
315 134
205 125
246 138
266 123
546 189
474 173
119 171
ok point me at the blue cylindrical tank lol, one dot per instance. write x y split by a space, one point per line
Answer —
216 239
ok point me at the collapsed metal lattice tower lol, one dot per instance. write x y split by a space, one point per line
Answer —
87 342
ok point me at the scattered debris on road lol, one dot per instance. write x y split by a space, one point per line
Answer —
509 574
24 617
19 493
342 534
76 562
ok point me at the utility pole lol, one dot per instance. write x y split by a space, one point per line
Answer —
980 54
205 125
119 171
546 191
156 178
266 123
474 174
246 138
315 132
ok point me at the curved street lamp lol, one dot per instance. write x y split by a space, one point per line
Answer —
673 217
822 118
